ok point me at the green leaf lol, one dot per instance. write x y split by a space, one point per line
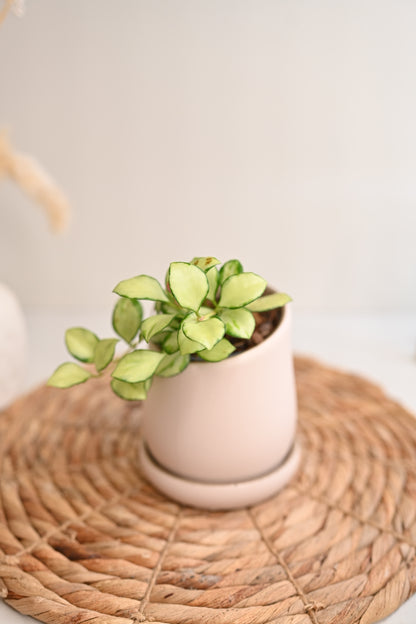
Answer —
189 285
138 365
131 391
221 351
159 338
176 323
81 343
207 333
232 267
269 302
141 287
169 308
213 278
67 375
186 345
127 316
170 343
239 290
155 324
172 364
205 262
206 312
104 353
239 323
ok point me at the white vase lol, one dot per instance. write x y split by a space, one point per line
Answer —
12 346
221 435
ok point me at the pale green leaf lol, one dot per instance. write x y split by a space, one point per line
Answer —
269 302
104 353
67 375
205 262
172 364
221 351
213 278
239 290
189 285
138 365
159 338
131 391
186 345
175 323
207 333
170 343
155 324
232 267
81 343
239 323
127 316
141 287
206 312
168 308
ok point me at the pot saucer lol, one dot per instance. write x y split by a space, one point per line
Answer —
219 496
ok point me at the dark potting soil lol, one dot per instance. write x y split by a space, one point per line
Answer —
266 323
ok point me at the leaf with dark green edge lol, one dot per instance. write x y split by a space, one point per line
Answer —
269 302
189 285
81 343
205 262
169 308
104 353
159 338
186 345
239 290
213 278
141 287
206 333
126 319
131 391
170 344
67 375
155 324
239 323
221 351
172 365
205 311
232 267
176 323
137 366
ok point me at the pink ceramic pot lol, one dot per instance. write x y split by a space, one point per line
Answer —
221 435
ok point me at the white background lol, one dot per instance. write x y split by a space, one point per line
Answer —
282 132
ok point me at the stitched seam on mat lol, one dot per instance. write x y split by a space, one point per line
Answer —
310 607
10 559
347 512
158 567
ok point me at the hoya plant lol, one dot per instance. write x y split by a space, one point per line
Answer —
199 307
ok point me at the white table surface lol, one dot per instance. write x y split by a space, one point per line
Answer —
382 347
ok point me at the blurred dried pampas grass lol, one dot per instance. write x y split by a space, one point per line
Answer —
35 182
24 170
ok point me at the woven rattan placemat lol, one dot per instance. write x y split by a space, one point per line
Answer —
84 539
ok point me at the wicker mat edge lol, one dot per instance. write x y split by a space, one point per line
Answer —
84 538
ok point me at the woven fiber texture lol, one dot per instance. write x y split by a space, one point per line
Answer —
83 538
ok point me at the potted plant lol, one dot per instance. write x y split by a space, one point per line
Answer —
219 417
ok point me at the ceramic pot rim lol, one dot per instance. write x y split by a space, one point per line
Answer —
255 352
